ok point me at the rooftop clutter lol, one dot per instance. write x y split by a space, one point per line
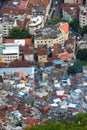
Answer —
48 94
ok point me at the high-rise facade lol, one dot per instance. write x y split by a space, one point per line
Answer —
83 15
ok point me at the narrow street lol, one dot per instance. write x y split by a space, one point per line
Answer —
55 11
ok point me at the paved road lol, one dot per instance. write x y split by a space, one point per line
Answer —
57 10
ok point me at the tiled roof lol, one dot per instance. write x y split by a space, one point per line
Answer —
13 10
4 107
65 56
65 27
41 3
30 121
25 7
69 41
22 5
2 65
9 40
57 49
56 46
19 63
71 9
27 40
29 49
21 8
41 51
2 114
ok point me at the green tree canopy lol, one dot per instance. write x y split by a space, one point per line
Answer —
82 54
83 30
55 20
75 24
78 123
17 33
77 67
72 70
19 123
76 27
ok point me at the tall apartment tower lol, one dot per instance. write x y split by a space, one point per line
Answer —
83 15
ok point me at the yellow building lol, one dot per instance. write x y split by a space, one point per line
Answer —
51 35
42 55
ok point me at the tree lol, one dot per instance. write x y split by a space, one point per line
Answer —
81 119
18 33
24 33
19 123
72 70
54 21
82 54
14 32
77 67
75 24
78 123
83 30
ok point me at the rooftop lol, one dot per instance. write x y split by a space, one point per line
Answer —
41 51
64 27
71 9
26 41
47 32
35 20
16 8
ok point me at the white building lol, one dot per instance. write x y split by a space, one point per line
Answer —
7 25
73 1
83 16
10 52
35 22
69 1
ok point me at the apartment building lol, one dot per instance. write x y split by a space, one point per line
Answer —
39 7
83 16
42 55
73 1
36 22
7 25
35 11
51 34
16 9
1 39
70 11
9 52
39 14
26 48
70 1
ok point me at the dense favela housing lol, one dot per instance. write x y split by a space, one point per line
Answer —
38 45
